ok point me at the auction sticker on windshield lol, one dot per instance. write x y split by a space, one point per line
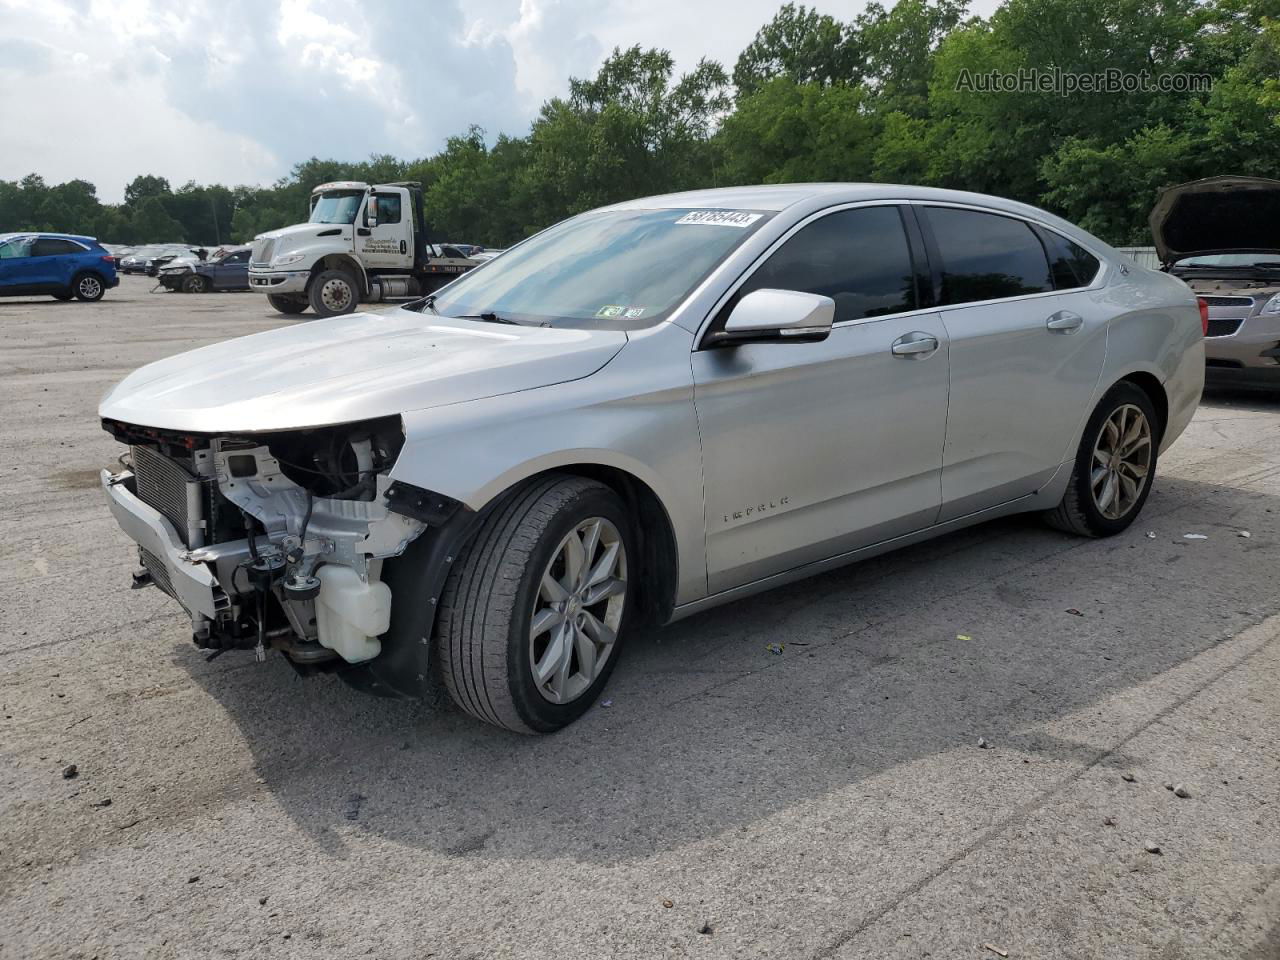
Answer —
721 218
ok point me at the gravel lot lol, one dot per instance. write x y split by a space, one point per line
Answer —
832 801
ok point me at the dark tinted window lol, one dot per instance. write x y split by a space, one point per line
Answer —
985 256
1071 264
52 246
858 258
240 257
388 207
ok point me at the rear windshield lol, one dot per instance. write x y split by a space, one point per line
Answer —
611 268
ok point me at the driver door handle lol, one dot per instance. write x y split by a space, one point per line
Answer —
1064 321
914 344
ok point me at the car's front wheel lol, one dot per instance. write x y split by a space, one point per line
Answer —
532 615
195 284
88 286
1114 466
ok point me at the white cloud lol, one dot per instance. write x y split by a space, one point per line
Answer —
239 90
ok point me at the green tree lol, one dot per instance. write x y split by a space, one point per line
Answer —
801 45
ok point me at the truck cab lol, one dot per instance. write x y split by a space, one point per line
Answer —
361 243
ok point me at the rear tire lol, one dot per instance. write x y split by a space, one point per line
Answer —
333 293
195 284
531 626
88 287
1114 467
285 304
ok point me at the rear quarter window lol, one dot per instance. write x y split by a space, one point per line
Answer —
1070 264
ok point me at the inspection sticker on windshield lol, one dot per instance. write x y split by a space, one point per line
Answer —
721 218
610 311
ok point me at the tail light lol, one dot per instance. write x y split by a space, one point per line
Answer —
109 259
1204 316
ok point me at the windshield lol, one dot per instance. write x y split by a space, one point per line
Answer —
614 267
1231 260
336 206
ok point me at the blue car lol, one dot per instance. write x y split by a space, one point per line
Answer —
58 264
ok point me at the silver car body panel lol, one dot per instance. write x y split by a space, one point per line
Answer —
763 476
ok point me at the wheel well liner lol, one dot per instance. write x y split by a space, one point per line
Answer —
1154 389
659 561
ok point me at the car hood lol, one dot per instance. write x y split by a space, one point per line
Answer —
300 233
1216 215
356 367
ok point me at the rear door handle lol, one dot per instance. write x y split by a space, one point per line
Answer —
914 344
1064 321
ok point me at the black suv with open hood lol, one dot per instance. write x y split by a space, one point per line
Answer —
1222 236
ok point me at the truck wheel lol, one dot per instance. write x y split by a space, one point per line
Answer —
333 293
533 612
1114 467
289 305
88 286
195 284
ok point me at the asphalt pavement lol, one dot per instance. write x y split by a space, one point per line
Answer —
963 749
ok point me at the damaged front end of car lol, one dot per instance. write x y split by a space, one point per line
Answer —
273 540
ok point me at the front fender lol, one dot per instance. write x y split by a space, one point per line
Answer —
636 415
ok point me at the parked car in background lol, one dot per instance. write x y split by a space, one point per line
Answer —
167 255
1222 237
62 265
736 388
135 260
226 269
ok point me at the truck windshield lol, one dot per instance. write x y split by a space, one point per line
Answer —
617 268
336 206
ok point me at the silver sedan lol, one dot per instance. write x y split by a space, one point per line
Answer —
639 413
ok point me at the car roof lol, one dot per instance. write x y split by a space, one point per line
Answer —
815 196
44 233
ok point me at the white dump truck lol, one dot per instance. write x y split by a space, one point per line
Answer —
363 243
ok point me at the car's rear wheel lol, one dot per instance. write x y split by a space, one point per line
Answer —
287 304
333 293
1115 465
88 286
195 284
532 615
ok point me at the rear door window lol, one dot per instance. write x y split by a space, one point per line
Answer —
53 246
859 258
986 256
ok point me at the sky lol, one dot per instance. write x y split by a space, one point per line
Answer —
237 91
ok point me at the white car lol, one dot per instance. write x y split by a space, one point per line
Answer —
639 413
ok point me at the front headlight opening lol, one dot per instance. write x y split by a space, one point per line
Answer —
1272 306
286 260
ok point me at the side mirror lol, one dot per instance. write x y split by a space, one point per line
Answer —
371 218
783 315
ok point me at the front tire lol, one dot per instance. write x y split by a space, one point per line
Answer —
195 284
88 287
1115 465
285 304
333 293
532 615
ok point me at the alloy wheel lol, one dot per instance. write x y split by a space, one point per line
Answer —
1121 461
577 610
89 287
